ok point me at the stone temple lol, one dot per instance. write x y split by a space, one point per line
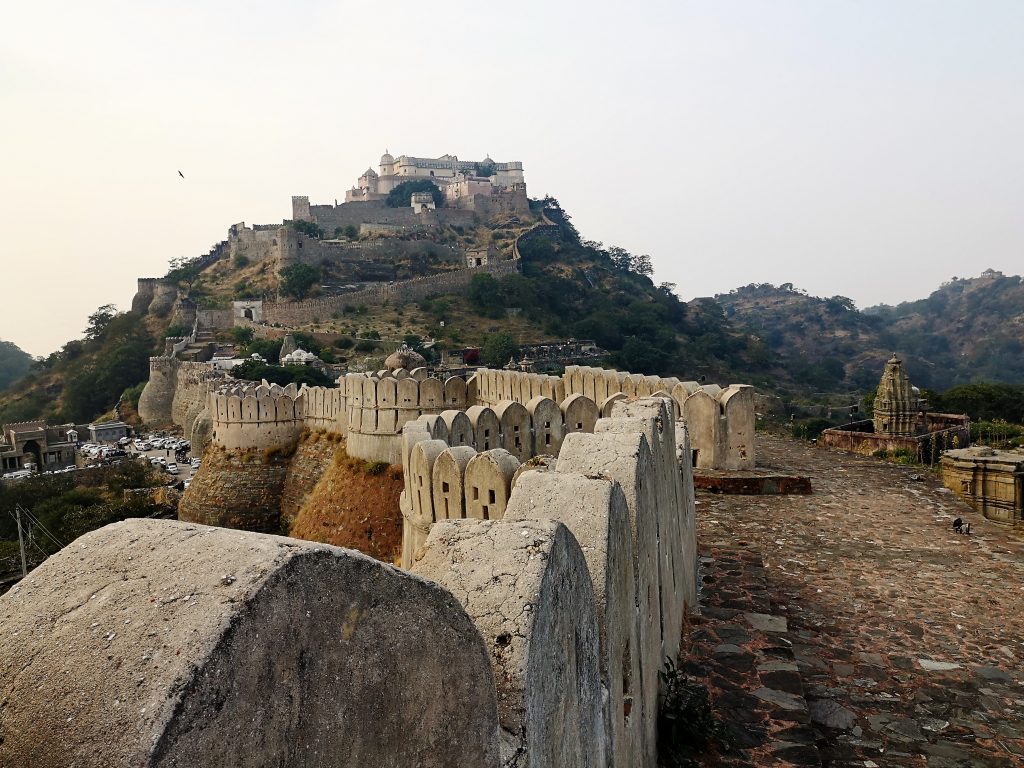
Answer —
901 422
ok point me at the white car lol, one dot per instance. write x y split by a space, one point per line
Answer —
172 468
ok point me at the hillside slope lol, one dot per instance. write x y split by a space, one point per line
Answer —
14 363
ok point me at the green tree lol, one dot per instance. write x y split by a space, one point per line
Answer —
498 348
185 271
242 336
401 196
253 370
307 228
298 279
99 320
485 296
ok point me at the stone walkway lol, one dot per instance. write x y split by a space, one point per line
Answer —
908 639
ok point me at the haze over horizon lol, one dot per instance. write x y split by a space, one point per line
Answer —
865 149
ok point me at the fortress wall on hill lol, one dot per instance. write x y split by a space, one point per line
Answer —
237 489
330 217
313 456
214 319
387 250
157 396
296 313
144 294
193 385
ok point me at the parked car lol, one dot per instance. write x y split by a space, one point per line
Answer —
172 468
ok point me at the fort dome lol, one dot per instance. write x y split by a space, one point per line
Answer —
386 158
404 357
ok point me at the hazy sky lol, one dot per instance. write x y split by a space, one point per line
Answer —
872 149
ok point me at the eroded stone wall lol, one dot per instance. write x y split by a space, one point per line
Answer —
238 489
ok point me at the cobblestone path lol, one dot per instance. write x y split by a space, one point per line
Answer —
908 638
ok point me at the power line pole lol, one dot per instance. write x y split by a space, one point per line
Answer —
21 542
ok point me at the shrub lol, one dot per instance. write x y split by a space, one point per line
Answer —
375 467
686 725
278 453
401 196
240 260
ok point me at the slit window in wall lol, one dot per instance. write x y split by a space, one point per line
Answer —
694 457
579 426
487 514
476 493
445 488
490 497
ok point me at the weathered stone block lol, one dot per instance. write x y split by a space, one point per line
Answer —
156 643
595 511
527 588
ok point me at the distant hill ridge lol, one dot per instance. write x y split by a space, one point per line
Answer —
969 329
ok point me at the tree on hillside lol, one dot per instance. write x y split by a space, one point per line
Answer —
99 320
498 349
307 228
401 196
114 358
485 296
184 271
254 370
298 279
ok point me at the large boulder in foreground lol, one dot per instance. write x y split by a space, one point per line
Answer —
160 643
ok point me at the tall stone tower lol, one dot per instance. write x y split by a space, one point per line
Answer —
300 208
897 402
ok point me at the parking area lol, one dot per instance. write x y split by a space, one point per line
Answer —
171 453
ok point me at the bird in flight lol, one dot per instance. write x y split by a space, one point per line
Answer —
181 174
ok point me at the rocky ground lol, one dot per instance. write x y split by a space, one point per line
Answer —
873 635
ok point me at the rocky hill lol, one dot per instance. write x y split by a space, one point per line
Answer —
562 286
969 329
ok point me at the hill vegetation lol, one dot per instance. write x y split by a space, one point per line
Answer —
780 339
968 330
86 377
14 363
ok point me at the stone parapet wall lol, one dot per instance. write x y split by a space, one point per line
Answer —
721 421
617 506
157 396
546 616
214 319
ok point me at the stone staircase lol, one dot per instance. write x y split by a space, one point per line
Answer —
200 349
743 652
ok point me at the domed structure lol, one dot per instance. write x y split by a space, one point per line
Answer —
386 158
300 357
404 357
